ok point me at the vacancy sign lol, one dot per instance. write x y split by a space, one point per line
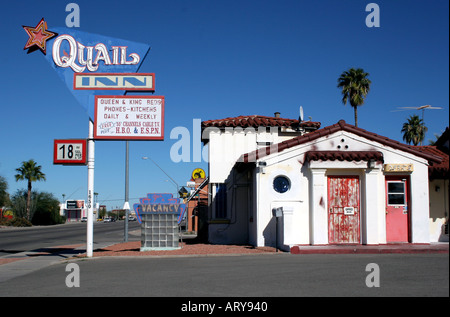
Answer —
69 152
107 81
129 118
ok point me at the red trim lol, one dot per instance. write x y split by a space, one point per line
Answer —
115 74
144 138
83 161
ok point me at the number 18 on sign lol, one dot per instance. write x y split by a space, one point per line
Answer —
69 152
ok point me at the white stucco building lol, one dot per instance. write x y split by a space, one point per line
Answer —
336 185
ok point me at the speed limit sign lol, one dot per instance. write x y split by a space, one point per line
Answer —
70 152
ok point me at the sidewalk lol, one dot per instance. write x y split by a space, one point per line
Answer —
133 249
186 249
22 263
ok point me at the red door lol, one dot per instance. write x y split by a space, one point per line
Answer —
343 209
397 220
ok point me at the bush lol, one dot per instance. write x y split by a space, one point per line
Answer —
18 222
47 210
44 208
4 221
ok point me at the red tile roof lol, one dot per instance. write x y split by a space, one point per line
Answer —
344 156
258 121
437 170
340 126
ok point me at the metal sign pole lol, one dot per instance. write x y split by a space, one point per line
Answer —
126 205
90 202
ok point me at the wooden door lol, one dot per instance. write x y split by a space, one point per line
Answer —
343 210
397 219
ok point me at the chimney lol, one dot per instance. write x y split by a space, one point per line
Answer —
277 114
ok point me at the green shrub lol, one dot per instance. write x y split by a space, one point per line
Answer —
19 222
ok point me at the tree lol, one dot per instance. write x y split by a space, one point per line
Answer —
355 86
47 209
19 203
32 173
414 130
4 197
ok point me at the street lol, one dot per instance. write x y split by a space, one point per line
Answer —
14 240
264 275
274 275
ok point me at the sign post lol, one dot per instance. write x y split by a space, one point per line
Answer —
89 68
126 205
90 201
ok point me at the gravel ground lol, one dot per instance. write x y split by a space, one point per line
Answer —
133 249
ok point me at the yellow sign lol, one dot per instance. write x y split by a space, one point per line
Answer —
398 167
198 173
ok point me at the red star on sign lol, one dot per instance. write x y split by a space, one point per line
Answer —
38 37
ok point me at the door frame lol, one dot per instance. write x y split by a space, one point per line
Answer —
407 181
359 208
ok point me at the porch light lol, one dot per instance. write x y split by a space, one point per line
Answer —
371 163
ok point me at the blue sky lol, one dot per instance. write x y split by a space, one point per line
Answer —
215 59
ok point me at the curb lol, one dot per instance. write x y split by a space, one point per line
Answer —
375 249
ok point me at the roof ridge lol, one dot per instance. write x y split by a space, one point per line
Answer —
257 121
340 125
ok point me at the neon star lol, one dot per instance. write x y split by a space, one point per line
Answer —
38 37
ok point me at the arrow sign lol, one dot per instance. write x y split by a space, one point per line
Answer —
114 81
75 51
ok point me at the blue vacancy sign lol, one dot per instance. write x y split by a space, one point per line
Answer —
160 216
159 203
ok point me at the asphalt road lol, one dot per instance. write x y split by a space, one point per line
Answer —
15 240
273 275
195 277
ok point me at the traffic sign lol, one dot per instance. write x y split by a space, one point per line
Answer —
70 152
114 81
198 173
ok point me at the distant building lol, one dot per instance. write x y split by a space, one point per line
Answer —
73 210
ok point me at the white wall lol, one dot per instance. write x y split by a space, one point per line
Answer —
308 194
306 219
226 146
439 205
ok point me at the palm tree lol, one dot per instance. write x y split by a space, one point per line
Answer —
414 130
355 86
31 172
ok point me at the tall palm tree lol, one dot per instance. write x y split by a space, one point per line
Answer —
414 130
355 86
31 172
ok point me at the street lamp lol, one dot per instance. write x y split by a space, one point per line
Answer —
171 179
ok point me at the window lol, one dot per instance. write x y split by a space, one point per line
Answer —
221 201
396 193
281 184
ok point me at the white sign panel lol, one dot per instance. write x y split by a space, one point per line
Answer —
349 210
129 117
69 152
